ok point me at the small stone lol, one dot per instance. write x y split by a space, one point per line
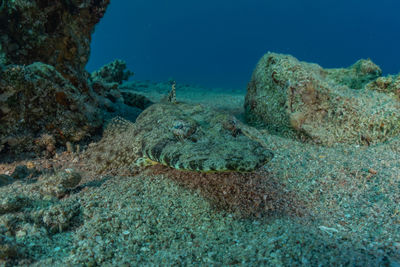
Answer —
12 204
70 178
69 170
126 232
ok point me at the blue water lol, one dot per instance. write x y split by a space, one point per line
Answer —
217 43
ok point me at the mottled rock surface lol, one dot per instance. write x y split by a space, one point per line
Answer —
181 136
60 183
36 99
303 100
54 32
389 84
45 96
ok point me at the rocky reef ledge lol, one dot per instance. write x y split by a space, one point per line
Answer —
57 33
47 98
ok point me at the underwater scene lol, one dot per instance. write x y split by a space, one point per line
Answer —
199 133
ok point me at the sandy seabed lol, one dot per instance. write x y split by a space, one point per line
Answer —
310 205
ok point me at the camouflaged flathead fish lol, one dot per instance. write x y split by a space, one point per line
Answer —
181 136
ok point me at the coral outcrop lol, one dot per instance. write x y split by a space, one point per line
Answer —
55 32
326 106
35 100
44 89
106 82
46 97
114 72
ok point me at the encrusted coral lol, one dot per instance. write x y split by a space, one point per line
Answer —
36 100
44 88
327 106
114 72
53 32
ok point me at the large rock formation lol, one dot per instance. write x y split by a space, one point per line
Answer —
55 32
327 106
45 92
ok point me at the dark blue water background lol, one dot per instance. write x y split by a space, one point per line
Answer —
217 43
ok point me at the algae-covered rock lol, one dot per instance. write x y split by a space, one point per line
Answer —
60 183
36 100
44 87
54 32
389 84
355 76
70 178
59 217
327 106
181 136
13 203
